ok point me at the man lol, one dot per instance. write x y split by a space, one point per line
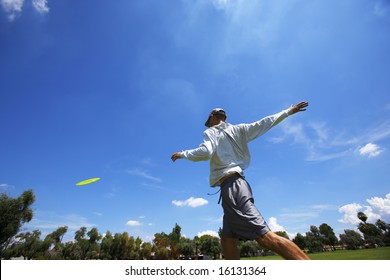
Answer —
226 146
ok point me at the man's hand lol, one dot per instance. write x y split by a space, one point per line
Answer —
175 156
300 107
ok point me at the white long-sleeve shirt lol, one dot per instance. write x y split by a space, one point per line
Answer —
226 145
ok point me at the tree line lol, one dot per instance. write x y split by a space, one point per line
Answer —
90 244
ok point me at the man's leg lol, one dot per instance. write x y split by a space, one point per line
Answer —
282 246
229 248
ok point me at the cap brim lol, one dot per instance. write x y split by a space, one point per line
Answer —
207 123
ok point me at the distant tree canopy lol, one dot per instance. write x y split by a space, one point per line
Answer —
374 234
352 239
90 244
14 212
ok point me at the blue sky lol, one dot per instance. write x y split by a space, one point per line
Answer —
111 89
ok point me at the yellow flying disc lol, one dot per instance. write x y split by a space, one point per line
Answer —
88 181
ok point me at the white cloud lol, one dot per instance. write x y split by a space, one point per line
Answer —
382 205
47 222
191 202
371 150
323 207
143 174
378 208
221 4
15 7
41 6
315 138
274 226
350 213
208 232
133 223
298 219
323 144
298 132
377 133
371 214
12 7
5 187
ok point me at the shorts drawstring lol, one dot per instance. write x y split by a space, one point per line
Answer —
220 195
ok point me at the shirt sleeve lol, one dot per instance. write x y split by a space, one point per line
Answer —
258 128
202 153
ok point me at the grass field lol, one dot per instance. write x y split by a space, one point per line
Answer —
382 253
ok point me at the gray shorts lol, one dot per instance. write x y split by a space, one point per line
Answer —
241 218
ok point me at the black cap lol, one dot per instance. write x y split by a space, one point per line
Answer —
216 111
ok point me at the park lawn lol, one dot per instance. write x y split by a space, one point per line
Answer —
382 253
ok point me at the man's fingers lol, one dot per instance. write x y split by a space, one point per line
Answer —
175 156
303 104
300 106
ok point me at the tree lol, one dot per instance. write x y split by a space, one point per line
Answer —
132 253
174 238
13 214
161 246
372 234
167 246
382 225
175 235
81 245
146 251
186 247
385 228
210 245
68 249
197 245
249 249
28 245
362 217
138 242
106 252
58 235
328 236
93 246
55 240
313 240
115 247
352 239
126 246
300 241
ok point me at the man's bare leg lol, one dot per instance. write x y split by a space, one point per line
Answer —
229 248
282 246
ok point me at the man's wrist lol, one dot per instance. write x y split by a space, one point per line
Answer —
290 111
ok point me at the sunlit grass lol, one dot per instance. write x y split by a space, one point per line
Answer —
382 253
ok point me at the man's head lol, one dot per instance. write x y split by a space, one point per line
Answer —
216 116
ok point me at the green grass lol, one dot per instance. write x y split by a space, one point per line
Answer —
382 253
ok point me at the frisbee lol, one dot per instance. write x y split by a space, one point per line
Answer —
88 181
